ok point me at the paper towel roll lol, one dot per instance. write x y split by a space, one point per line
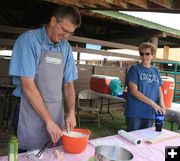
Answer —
129 137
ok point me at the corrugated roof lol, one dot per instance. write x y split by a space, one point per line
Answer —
165 19
138 21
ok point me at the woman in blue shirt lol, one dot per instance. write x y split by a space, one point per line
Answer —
144 91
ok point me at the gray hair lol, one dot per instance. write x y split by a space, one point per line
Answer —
70 13
150 45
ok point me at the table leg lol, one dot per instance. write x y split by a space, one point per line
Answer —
172 126
108 110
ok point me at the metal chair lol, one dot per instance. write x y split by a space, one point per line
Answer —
88 102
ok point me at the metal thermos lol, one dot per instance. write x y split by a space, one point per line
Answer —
13 149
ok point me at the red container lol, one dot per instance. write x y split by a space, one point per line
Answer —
100 83
168 90
76 144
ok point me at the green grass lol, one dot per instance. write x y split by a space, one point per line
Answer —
110 127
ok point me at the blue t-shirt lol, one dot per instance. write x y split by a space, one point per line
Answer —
26 55
148 81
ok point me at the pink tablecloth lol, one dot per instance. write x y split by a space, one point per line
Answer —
141 152
48 155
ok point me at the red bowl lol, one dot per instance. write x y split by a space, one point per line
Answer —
76 143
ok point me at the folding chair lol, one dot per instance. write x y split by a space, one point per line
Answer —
88 102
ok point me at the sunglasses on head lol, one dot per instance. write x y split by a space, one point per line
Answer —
142 53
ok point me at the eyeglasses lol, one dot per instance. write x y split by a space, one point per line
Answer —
64 30
142 53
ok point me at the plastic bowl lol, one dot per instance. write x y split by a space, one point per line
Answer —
75 141
112 153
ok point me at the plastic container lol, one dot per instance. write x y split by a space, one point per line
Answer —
100 83
13 149
76 141
168 90
159 121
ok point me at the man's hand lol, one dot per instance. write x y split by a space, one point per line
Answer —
54 131
70 102
70 121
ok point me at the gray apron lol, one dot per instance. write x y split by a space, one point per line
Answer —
32 133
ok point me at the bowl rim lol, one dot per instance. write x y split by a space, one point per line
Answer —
86 133
100 153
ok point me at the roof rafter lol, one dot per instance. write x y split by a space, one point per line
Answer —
139 21
118 3
135 5
139 3
165 3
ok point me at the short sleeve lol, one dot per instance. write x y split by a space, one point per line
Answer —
23 60
159 77
70 69
132 75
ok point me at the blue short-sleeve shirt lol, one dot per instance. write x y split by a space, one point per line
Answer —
148 81
26 55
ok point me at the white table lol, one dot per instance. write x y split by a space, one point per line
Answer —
173 114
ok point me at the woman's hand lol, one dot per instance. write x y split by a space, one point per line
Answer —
163 107
158 108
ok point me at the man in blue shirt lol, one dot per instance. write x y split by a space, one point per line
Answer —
42 66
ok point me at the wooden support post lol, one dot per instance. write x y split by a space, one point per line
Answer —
154 40
166 52
78 56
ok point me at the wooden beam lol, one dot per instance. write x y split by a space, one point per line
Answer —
102 43
71 2
164 3
6 42
18 30
177 5
139 3
10 29
96 3
66 2
10 42
105 53
103 3
118 3
108 53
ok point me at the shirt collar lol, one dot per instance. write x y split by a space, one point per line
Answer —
46 39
